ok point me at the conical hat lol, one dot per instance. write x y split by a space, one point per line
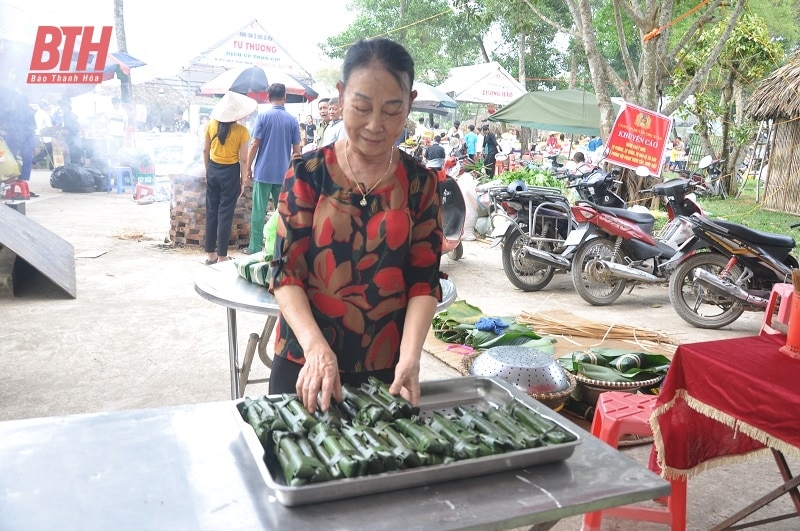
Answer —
234 106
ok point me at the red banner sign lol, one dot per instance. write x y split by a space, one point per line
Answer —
639 138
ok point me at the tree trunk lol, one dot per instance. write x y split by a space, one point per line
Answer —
573 67
122 44
728 164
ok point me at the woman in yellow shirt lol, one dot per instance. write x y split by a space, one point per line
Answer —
225 156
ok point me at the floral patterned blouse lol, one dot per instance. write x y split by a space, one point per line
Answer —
359 265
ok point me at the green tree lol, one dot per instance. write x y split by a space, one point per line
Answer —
748 56
437 37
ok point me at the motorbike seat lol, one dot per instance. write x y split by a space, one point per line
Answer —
453 208
641 218
758 237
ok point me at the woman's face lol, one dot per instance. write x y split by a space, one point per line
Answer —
375 108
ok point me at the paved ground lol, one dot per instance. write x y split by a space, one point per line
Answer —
139 336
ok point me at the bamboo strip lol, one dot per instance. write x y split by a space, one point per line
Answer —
565 324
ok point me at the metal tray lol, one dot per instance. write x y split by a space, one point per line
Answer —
479 392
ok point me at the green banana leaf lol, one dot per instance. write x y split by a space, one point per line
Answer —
479 339
461 312
456 324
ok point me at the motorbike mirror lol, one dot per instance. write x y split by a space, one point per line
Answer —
705 162
642 171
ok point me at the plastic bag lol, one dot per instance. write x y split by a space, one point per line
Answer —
76 178
9 169
468 184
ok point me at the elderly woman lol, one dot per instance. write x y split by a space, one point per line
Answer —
359 242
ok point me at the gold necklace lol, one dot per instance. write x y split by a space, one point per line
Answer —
364 193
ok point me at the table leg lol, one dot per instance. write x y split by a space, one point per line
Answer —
249 354
758 504
233 353
262 342
786 474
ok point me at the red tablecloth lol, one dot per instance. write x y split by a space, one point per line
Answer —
724 399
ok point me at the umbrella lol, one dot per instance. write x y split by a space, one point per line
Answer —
120 62
254 81
432 100
567 111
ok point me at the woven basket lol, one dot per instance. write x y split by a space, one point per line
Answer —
589 390
555 401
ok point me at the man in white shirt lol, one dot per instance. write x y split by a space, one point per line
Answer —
420 131
335 129
479 146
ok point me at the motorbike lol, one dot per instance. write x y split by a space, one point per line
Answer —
618 247
530 217
727 269
531 259
710 183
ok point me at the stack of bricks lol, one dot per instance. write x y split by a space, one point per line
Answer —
187 213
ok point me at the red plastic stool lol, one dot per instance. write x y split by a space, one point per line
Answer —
141 191
618 414
781 293
18 190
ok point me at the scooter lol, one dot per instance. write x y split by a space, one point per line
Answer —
530 218
532 257
726 269
710 183
618 247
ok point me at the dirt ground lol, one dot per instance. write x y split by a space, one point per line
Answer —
139 336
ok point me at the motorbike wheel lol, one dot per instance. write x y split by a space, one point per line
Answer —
522 272
598 288
457 253
698 305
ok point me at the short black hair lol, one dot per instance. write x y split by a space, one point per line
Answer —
471 127
277 91
437 138
485 127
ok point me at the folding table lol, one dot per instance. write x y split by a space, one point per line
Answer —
221 284
724 400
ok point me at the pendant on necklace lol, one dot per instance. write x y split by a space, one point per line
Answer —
363 201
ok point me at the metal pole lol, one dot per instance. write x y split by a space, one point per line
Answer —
233 353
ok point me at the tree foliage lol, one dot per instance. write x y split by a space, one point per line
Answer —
748 56
437 37
706 53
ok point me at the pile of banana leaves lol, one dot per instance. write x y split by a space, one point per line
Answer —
456 324
615 365
372 431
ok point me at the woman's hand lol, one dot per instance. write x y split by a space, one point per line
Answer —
319 376
406 380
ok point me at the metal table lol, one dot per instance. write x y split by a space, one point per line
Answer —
188 467
221 284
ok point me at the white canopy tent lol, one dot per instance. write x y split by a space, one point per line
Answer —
484 83
251 45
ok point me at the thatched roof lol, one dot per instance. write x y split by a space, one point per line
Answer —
778 96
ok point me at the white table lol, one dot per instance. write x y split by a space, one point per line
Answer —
221 284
